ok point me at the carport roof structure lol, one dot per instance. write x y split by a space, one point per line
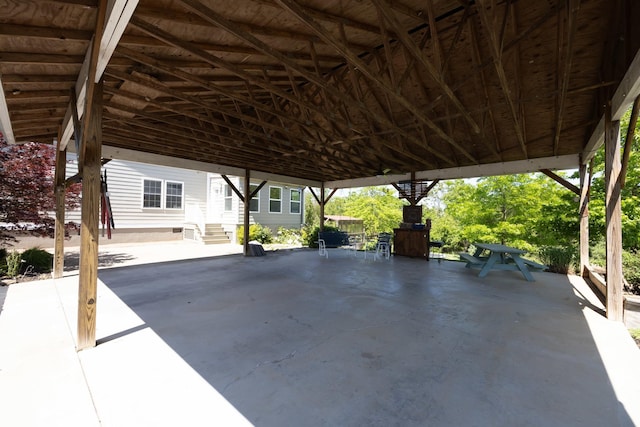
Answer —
337 93
322 91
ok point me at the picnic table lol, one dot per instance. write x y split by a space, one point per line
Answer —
500 257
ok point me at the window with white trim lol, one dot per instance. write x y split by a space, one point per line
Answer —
159 194
254 204
294 201
152 194
173 195
228 198
275 199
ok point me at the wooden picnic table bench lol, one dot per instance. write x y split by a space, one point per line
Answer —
500 257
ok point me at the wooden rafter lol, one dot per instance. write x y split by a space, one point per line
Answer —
344 50
565 61
433 71
218 20
497 54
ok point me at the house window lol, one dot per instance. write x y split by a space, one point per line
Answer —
228 198
275 199
173 195
294 202
254 205
152 194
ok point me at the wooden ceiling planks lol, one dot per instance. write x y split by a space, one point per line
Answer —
326 90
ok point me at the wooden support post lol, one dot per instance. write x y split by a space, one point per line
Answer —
89 230
615 309
322 201
246 205
59 190
585 187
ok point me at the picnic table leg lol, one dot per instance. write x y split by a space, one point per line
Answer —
493 258
523 268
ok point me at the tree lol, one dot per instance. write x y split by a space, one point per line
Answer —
27 188
379 208
511 209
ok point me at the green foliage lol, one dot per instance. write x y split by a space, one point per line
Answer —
631 268
41 260
288 236
558 259
14 261
525 211
378 207
257 232
310 235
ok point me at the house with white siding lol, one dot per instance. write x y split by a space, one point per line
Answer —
163 201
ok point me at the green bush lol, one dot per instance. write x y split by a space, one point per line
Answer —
40 259
14 261
631 269
558 259
310 238
288 236
257 232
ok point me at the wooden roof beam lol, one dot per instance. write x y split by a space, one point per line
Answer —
303 17
216 19
433 71
217 62
497 52
118 15
565 69
192 78
626 93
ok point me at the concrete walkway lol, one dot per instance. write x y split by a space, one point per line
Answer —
295 339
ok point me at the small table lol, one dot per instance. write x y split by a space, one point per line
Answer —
501 257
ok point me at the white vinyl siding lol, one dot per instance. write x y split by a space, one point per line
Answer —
126 190
275 199
294 201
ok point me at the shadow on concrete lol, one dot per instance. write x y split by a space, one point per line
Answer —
72 260
3 295
295 339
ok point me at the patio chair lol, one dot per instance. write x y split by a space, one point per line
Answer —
383 246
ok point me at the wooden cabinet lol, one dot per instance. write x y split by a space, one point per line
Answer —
411 243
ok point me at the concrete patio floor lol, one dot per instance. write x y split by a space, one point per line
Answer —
294 339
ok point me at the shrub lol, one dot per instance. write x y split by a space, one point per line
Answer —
14 261
310 238
558 259
288 236
257 232
631 269
40 259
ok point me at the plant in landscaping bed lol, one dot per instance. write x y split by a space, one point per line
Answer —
288 236
40 259
14 261
557 259
257 232
631 270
